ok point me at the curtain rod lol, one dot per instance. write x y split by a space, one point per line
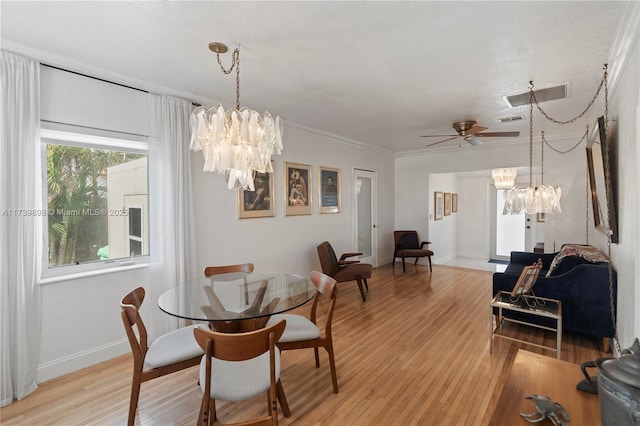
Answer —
102 79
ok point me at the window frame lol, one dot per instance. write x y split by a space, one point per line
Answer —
86 138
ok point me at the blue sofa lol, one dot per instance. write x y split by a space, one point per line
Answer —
579 278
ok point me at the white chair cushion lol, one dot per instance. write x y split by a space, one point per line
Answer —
298 328
238 380
172 347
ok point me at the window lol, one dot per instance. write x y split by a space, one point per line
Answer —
95 192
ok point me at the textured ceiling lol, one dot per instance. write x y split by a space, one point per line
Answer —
380 73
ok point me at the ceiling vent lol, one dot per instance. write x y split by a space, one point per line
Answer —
511 119
542 95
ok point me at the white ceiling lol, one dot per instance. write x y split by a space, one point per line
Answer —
381 73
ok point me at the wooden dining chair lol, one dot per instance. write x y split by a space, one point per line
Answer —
209 271
169 353
239 366
302 333
344 270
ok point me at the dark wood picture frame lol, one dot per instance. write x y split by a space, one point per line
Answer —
602 180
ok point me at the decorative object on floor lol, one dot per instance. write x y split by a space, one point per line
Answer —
454 203
407 245
329 190
344 270
546 408
601 180
297 195
504 178
236 142
261 201
447 203
438 205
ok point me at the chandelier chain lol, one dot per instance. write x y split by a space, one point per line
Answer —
595 96
609 197
570 149
542 160
531 98
586 206
235 63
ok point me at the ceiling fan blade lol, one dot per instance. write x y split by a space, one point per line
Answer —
474 129
499 134
437 136
473 140
444 140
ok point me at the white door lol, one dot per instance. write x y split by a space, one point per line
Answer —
365 215
508 231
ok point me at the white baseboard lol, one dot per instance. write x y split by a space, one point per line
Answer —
68 364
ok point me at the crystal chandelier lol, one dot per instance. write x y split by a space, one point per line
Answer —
504 178
532 200
236 142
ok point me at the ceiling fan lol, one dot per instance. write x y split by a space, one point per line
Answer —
470 131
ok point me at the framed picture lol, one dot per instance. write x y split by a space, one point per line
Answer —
602 178
438 203
447 203
539 217
258 203
527 279
454 203
329 187
297 178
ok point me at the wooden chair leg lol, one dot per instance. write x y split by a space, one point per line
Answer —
366 284
282 398
404 268
133 402
606 344
361 287
430 270
332 364
416 262
317 356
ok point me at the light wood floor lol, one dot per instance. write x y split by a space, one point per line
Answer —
415 353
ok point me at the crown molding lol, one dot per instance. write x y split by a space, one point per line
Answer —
335 138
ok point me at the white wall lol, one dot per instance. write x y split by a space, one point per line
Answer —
81 322
443 232
474 210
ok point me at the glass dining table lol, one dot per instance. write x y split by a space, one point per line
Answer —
237 301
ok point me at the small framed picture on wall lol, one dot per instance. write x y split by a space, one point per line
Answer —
329 187
454 203
297 178
438 205
447 203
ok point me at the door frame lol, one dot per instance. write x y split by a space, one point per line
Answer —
370 174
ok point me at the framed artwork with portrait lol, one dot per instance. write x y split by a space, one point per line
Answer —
438 203
329 187
454 203
258 203
447 203
297 178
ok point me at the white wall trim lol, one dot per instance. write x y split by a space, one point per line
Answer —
73 362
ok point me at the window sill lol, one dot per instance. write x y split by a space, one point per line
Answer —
92 273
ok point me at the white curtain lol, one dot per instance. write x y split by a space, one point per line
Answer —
20 225
172 238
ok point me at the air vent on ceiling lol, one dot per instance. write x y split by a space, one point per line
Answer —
510 119
542 95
